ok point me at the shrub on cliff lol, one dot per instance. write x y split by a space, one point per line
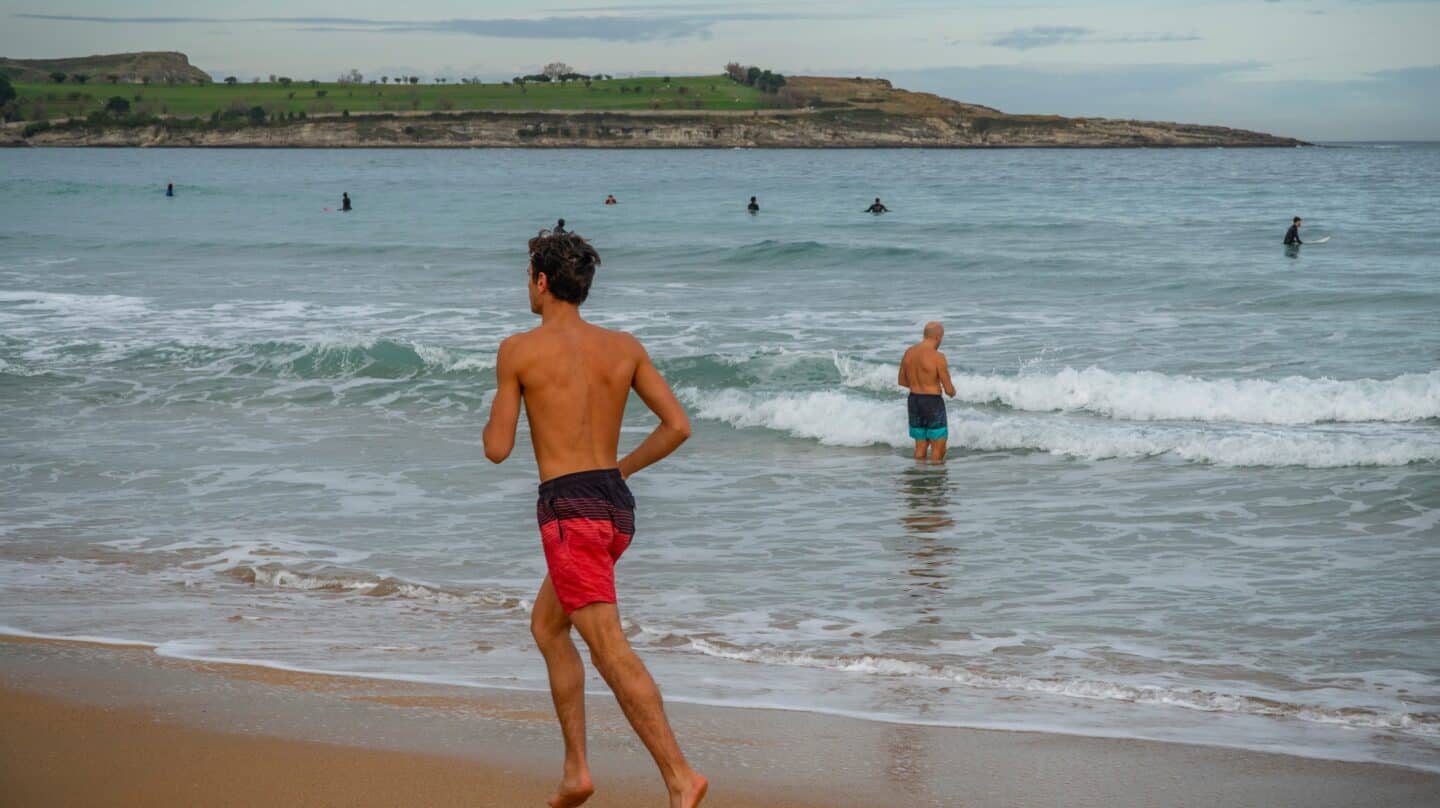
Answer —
763 80
117 106
7 92
256 116
32 129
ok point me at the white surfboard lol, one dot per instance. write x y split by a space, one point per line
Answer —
1319 240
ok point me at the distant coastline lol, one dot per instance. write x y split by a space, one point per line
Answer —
160 100
646 130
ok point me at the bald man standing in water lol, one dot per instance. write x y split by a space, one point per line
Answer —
574 379
923 369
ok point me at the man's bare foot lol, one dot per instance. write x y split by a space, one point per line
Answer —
690 795
573 791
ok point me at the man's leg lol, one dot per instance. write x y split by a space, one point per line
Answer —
937 450
922 448
599 625
551 630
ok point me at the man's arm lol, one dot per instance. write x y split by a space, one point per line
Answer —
674 425
945 375
900 378
505 409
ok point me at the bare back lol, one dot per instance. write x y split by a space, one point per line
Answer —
575 379
924 370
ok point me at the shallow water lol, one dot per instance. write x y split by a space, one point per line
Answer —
1194 491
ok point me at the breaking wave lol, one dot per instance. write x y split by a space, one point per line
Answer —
843 419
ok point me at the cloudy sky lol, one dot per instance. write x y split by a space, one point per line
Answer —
1315 69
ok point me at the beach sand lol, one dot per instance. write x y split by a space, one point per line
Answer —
94 724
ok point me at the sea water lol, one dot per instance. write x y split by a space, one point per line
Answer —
1194 488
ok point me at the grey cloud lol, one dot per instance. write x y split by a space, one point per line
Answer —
1041 36
611 28
1047 36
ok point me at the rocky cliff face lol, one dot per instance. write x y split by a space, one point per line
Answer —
842 128
156 66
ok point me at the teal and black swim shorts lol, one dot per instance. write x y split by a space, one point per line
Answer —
927 417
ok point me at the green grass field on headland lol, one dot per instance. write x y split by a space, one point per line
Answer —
49 101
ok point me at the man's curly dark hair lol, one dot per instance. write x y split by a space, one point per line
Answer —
568 263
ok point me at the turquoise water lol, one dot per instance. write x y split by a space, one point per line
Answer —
1194 492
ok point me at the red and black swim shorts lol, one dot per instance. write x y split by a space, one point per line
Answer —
586 522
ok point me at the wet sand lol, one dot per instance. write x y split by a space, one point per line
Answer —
92 724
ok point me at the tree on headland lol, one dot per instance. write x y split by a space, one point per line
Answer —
556 69
57 77
117 106
81 78
112 78
763 80
414 79
384 79
231 80
284 81
7 92
256 115
352 76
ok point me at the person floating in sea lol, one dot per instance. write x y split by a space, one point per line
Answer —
924 370
876 207
1292 236
753 207
170 189
559 228
574 379
611 200
345 201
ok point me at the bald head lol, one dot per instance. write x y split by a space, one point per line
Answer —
933 330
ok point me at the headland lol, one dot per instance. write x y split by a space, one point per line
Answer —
118 103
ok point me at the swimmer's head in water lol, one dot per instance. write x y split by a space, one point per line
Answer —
561 265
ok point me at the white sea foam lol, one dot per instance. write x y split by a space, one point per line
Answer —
844 419
1148 396
1426 724
93 307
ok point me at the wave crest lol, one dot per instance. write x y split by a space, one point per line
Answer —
1150 396
841 419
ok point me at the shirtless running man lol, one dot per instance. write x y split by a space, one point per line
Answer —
923 369
575 378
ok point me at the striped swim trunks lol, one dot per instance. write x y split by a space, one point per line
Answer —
586 522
